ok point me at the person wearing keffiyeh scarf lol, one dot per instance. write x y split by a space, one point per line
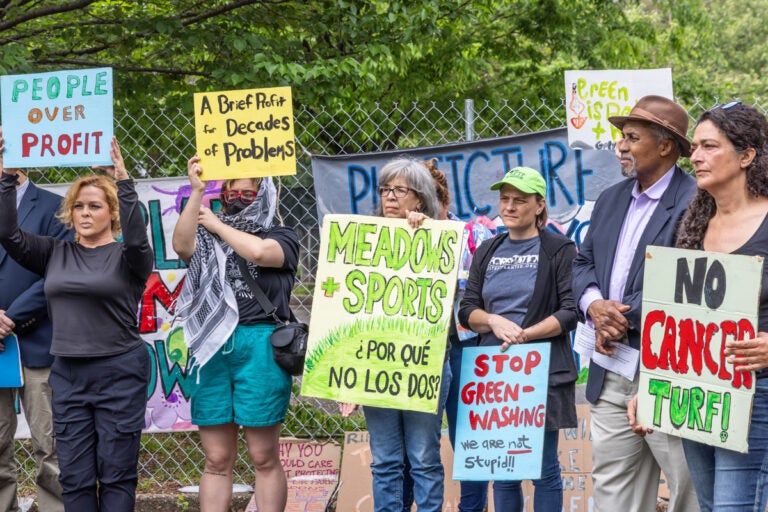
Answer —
235 381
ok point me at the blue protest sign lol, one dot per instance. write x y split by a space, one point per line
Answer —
501 415
61 118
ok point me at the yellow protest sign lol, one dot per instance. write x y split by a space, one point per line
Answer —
245 133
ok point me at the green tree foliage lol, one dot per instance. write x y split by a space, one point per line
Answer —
336 53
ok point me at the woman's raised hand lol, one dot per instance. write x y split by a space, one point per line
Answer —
194 170
117 170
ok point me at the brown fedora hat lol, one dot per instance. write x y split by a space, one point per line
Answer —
660 111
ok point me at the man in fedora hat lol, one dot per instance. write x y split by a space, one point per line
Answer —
607 281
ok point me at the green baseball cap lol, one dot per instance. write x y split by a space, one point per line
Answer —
525 180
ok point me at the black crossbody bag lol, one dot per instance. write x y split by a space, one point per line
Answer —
289 339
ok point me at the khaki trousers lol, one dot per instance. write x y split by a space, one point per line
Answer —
625 466
36 400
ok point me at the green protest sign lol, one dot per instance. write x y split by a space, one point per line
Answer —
381 311
693 303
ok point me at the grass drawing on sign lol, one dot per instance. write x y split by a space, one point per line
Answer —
347 345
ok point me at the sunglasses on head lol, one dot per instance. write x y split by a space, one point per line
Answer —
728 106
245 196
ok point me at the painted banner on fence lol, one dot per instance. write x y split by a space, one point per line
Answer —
60 118
501 414
693 302
168 406
347 183
592 96
381 311
245 133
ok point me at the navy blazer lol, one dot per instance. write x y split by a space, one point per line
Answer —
593 264
21 291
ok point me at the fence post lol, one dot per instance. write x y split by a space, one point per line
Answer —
469 119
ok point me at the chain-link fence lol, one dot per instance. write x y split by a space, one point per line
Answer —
157 143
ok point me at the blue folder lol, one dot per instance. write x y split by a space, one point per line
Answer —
11 375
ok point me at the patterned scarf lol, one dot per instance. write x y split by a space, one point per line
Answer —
207 304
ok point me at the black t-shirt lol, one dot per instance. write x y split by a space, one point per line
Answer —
276 283
757 245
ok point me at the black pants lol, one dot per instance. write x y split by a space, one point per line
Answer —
98 413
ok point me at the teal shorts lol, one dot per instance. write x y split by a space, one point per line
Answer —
241 383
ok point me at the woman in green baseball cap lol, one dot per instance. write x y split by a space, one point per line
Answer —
519 291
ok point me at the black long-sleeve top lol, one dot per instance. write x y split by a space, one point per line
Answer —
93 293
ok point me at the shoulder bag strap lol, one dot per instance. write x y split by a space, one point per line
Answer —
266 304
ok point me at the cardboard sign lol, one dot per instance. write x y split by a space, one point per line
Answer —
574 452
312 470
381 311
502 411
591 97
693 302
245 133
62 118
356 482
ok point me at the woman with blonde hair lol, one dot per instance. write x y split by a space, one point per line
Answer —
101 369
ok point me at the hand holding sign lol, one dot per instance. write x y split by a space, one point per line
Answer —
6 324
117 170
632 418
194 171
748 355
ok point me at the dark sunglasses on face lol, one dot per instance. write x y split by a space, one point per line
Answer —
245 196
400 192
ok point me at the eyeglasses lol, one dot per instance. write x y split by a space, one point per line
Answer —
245 196
728 106
400 192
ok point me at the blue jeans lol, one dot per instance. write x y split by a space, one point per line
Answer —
395 433
548 493
761 500
728 481
474 494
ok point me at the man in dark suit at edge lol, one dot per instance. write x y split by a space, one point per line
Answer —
642 210
23 311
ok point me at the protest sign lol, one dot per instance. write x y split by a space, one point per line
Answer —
502 411
356 482
61 118
312 471
347 183
245 133
381 311
693 302
592 96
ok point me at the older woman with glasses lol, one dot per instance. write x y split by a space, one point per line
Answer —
236 381
407 191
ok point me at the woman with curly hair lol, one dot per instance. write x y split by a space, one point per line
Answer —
729 214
